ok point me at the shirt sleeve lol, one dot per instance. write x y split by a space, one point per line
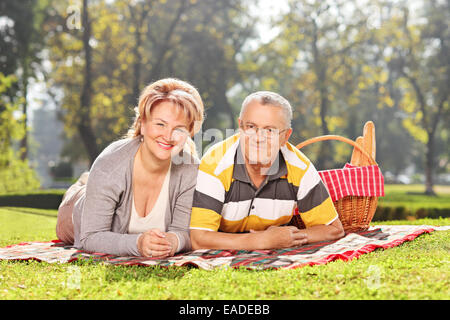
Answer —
208 202
102 197
313 200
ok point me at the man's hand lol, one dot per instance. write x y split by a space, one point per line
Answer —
283 237
154 243
271 238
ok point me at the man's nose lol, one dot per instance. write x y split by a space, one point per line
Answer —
260 136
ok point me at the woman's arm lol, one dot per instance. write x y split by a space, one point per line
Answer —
182 211
102 197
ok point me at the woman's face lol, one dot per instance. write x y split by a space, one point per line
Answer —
165 131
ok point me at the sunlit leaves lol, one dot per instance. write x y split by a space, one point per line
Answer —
15 174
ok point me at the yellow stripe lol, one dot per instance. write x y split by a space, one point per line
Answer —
299 154
322 214
205 219
212 158
251 222
295 174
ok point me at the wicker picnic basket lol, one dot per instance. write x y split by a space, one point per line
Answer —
355 212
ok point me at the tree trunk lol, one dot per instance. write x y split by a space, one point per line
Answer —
320 68
429 166
156 72
139 19
84 126
24 141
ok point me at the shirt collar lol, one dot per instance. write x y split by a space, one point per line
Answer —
276 171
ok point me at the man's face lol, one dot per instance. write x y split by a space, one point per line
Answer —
264 131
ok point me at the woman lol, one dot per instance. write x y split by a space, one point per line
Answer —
136 200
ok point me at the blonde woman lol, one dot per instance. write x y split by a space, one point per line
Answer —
136 200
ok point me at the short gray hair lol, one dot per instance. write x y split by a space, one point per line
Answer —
271 98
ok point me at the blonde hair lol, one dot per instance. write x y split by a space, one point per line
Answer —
181 94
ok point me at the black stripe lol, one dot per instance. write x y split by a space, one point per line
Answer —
202 200
315 197
279 189
239 191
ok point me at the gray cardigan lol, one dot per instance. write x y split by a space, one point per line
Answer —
101 216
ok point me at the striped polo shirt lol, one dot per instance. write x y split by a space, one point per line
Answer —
226 200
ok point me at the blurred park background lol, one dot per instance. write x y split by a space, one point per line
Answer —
71 73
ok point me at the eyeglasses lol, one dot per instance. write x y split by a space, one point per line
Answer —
252 130
177 133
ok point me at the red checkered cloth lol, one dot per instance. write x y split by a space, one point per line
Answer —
353 181
347 248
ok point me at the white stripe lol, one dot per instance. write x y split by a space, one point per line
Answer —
351 181
374 180
234 211
344 181
338 181
292 158
334 187
210 186
270 209
328 223
309 181
228 158
362 181
357 183
381 182
195 228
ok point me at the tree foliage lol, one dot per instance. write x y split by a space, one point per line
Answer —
134 43
340 63
15 174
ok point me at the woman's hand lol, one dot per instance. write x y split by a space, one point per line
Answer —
283 237
155 243
172 238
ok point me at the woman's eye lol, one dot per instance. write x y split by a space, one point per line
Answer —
180 131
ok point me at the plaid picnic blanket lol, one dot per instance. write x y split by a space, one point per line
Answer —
351 246
356 181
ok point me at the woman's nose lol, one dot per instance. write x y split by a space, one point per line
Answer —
167 134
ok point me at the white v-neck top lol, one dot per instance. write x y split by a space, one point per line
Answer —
156 217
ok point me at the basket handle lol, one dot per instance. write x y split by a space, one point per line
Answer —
339 138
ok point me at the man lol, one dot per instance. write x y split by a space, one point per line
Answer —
249 184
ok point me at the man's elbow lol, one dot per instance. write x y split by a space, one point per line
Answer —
195 240
336 230
337 233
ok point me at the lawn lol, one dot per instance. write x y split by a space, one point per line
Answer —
413 270
412 197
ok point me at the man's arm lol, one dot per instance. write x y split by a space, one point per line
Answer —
272 238
323 232
317 209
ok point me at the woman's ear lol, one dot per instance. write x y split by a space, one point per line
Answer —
141 126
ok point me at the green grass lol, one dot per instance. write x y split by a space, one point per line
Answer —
411 197
413 270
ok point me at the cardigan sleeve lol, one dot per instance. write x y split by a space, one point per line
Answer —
183 206
101 200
